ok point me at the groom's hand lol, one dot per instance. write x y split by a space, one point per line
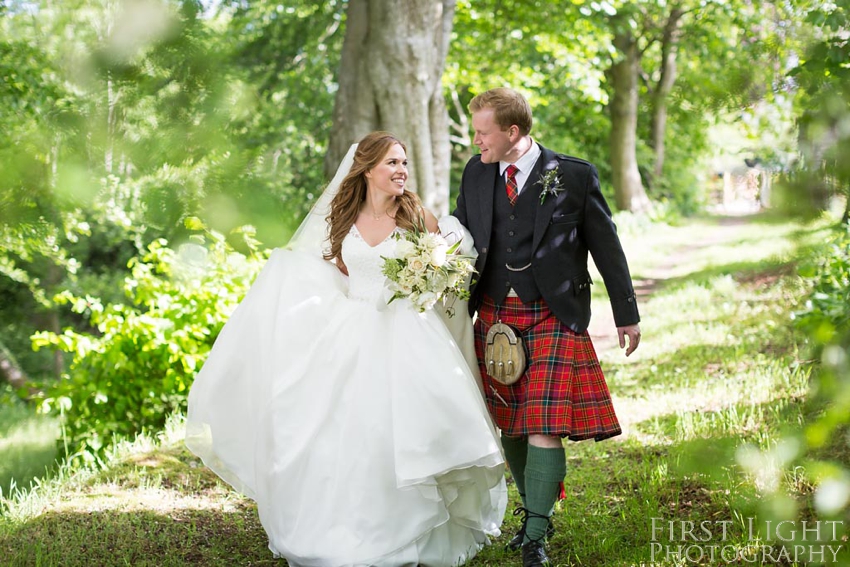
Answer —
631 331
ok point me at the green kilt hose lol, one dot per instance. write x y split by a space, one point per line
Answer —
563 391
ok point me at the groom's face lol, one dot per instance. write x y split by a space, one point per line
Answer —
491 139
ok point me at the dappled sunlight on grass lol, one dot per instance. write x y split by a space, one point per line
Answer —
712 347
140 537
711 344
154 504
27 446
707 402
703 249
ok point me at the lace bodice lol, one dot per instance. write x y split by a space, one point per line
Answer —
364 263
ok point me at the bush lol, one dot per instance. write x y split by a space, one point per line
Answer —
826 316
137 370
826 321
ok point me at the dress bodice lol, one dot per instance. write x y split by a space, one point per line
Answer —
364 263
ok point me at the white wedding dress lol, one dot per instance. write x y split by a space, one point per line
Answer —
357 427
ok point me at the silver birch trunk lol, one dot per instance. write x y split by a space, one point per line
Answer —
390 75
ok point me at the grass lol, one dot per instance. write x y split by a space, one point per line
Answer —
706 403
27 446
153 504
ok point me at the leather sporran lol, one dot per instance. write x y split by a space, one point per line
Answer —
504 354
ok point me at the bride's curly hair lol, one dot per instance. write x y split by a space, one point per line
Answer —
347 203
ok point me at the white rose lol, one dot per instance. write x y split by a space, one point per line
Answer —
404 248
434 240
438 255
417 264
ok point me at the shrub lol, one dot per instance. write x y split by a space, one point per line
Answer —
826 321
826 316
137 369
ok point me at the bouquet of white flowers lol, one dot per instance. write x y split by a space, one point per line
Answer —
426 269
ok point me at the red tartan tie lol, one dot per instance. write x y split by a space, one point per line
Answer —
510 186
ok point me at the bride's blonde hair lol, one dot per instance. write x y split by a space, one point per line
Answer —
347 203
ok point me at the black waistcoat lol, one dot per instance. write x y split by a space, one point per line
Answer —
511 244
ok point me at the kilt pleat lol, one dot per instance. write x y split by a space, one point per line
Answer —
563 391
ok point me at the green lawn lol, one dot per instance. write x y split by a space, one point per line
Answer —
27 446
705 402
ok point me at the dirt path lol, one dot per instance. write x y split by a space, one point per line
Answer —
602 328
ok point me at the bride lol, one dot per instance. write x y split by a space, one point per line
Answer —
358 427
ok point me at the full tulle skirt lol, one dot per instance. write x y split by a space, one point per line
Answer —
357 427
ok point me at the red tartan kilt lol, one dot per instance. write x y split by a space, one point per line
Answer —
563 391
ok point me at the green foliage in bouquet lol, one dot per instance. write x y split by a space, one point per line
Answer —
426 269
138 367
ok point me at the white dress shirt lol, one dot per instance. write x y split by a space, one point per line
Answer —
524 164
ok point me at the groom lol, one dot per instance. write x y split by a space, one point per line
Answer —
534 215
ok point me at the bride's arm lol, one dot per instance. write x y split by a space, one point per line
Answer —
430 220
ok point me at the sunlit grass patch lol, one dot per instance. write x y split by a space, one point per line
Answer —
139 538
703 249
151 503
710 345
27 446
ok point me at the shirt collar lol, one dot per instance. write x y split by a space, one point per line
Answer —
524 163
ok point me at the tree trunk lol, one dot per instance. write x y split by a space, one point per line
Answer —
110 125
390 79
54 277
669 50
10 371
623 107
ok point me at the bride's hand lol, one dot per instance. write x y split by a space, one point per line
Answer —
452 230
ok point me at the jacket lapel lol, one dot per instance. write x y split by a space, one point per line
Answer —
545 162
486 183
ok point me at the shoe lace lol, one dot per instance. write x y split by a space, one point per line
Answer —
526 515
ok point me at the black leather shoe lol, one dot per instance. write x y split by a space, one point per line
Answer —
516 542
534 555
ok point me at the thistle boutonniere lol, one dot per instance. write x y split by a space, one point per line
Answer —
551 184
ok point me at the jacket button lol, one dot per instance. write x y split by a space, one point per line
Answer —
512 217
484 250
509 250
631 300
510 233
